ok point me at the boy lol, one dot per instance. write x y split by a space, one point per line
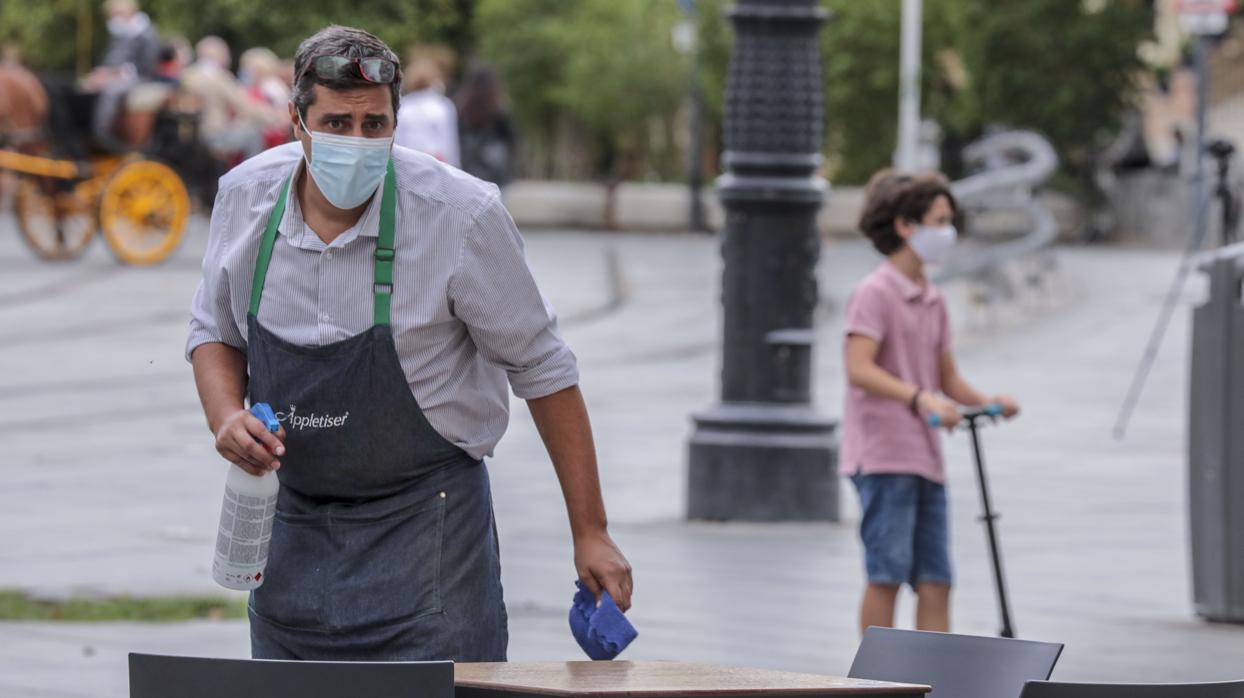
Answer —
899 366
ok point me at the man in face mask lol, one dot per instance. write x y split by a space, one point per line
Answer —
383 297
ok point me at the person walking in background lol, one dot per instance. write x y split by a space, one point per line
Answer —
485 129
901 371
427 120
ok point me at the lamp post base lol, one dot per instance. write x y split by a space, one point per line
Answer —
763 462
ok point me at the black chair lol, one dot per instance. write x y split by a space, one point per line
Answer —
1048 689
156 676
956 666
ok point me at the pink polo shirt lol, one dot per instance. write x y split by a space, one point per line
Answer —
910 323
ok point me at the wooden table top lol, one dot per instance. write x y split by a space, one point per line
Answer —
659 679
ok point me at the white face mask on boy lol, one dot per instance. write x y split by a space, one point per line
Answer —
932 244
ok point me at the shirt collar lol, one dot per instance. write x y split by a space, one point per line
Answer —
910 290
297 233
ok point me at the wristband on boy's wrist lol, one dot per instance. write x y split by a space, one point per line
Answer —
914 405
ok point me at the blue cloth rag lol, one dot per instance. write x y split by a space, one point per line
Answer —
603 632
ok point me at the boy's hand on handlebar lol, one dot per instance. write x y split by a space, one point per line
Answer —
1010 408
946 411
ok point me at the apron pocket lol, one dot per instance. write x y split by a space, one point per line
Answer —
386 569
298 569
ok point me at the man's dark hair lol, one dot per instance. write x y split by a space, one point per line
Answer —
336 40
893 195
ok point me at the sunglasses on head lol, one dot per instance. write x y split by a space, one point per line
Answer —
377 70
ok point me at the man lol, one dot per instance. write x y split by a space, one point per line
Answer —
383 298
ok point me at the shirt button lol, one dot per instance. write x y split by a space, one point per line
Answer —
325 317
328 255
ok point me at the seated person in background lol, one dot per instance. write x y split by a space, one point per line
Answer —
168 70
259 71
133 46
129 97
231 124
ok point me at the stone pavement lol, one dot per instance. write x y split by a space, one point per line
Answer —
110 483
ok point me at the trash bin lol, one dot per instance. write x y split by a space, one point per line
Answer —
1216 441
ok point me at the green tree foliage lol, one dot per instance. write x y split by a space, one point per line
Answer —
527 41
860 53
1050 65
282 24
1069 71
609 67
45 30
715 37
607 71
623 79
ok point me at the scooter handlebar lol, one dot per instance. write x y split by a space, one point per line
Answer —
991 410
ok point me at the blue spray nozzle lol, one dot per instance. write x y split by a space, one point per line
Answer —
264 413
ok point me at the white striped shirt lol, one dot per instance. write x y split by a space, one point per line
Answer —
466 311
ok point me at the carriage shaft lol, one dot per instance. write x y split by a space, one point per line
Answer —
40 166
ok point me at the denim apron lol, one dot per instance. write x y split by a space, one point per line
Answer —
384 546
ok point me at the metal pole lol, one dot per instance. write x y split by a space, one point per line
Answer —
1200 203
1202 106
695 176
989 517
85 31
763 453
909 86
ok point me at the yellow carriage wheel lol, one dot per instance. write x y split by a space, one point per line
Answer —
143 212
56 223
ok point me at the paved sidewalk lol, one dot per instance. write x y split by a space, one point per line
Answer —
110 483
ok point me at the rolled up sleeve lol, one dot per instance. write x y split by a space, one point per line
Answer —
494 294
211 314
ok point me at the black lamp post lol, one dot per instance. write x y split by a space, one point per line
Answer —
763 453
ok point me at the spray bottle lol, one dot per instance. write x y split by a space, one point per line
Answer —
246 520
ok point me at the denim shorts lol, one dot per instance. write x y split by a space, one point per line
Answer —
904 528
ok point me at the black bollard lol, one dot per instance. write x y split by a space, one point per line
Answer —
763 453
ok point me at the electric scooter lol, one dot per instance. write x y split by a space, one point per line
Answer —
973 418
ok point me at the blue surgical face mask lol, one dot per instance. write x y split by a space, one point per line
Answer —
347 169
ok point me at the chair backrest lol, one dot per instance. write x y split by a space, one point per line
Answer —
956 666
156 676
1048 689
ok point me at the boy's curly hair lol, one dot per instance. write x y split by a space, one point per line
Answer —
891 195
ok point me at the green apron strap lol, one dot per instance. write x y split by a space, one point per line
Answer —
265 247
383 287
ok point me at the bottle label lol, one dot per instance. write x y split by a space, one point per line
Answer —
243 538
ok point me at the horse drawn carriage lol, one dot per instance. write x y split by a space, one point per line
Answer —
124 173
